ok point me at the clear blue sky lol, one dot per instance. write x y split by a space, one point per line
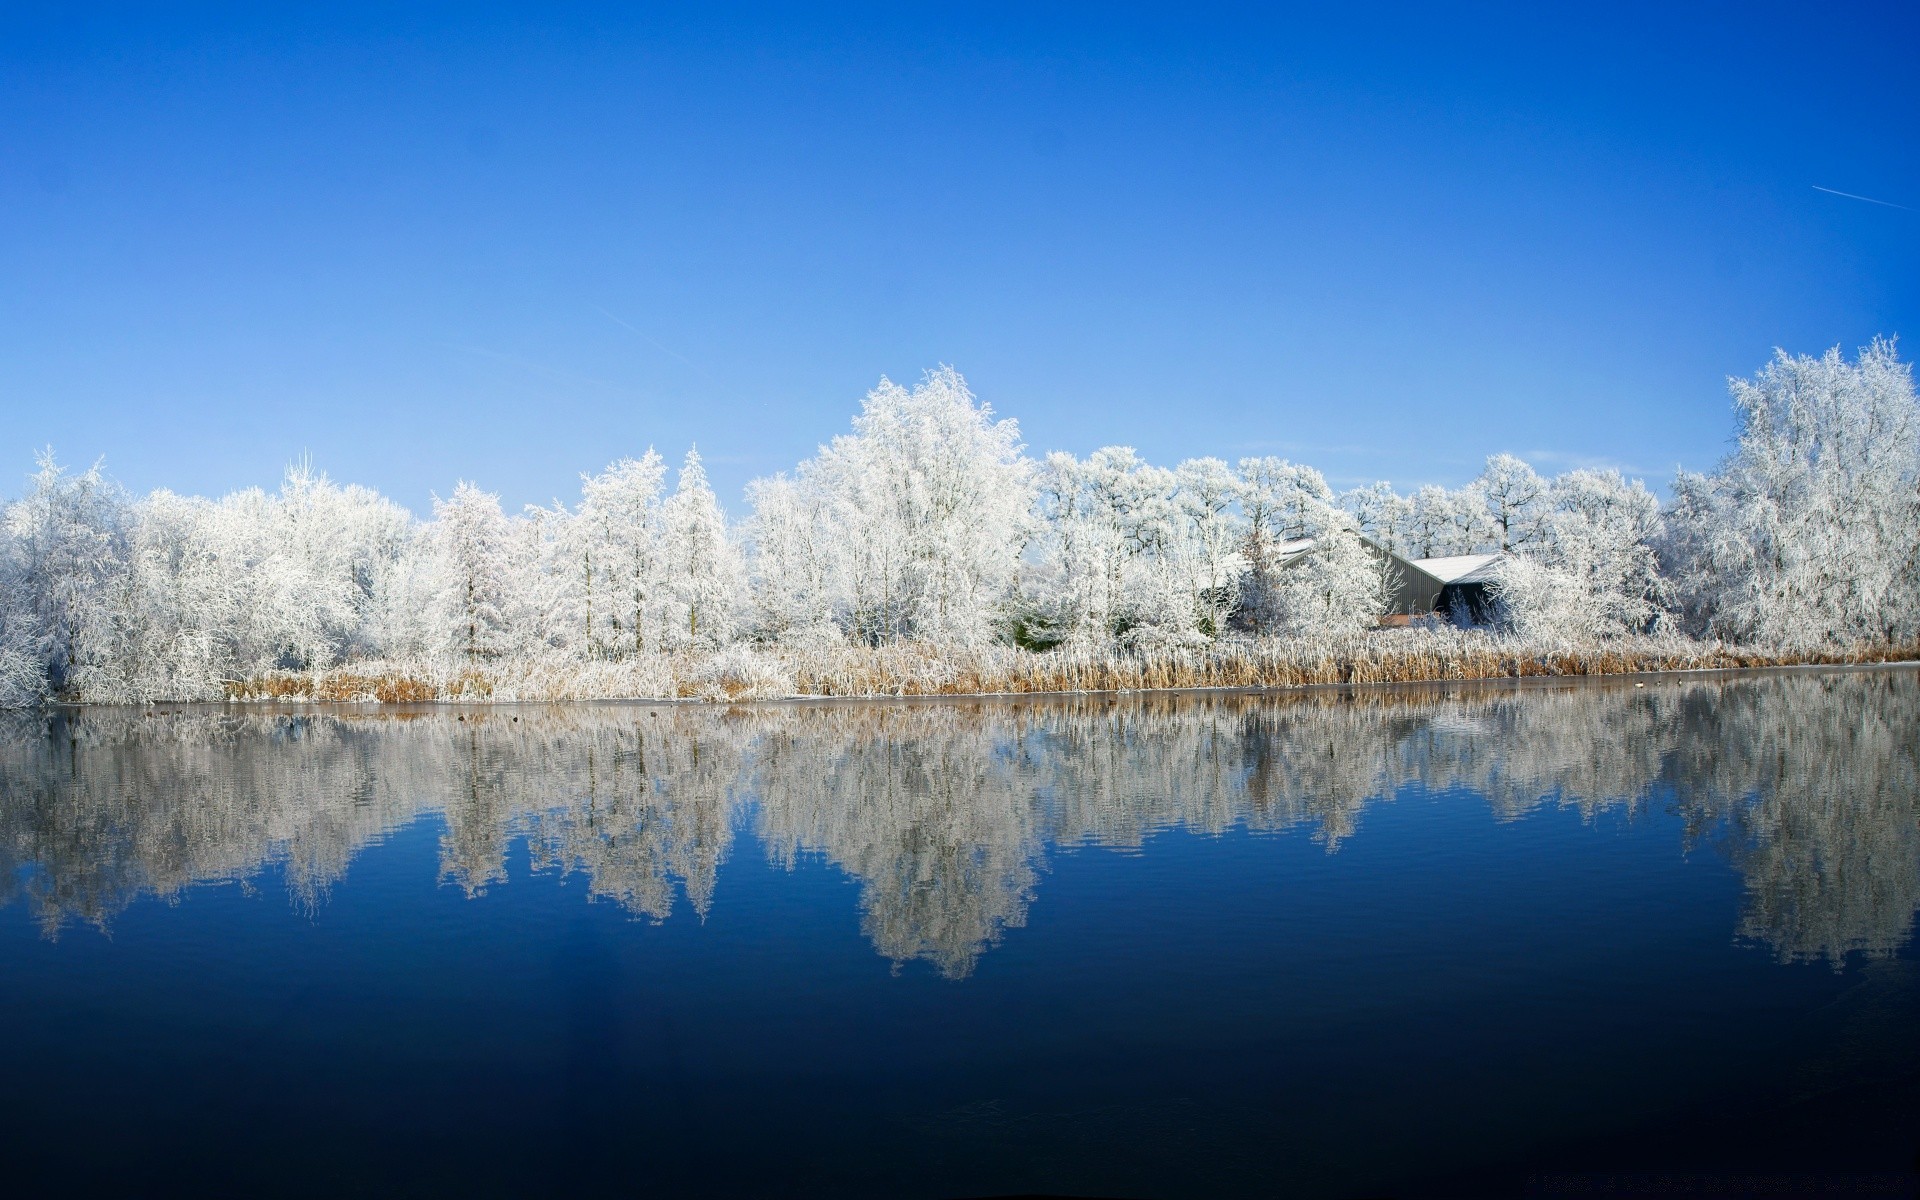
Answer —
512 247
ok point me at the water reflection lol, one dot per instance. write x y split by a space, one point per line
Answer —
944 812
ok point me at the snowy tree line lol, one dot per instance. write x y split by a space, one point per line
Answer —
928 523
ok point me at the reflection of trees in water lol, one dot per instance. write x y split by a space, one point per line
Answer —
931 807
648 801
99 809
1808 783
1812 787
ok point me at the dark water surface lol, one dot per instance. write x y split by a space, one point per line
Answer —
1315 944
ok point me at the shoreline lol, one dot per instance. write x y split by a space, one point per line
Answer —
1477 683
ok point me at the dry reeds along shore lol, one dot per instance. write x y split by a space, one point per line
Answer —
743 672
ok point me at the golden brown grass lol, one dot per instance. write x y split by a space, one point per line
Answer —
740 673
343 684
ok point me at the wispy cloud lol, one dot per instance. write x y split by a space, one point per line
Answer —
1568 461
1336 448
1304 447
655 343
1868 199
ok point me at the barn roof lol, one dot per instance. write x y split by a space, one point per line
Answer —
1460 568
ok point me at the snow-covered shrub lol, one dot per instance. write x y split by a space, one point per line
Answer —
737 672
1545 604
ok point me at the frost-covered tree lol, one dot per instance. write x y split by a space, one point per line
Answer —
1207 496
702 571
1809 533
23 669
312 572
1336 585
1379 513
1329 582
1601 530
1513 497
793 584
1431 528
1106 557
1589 570
1285 505
173 633
325 553
927 501
69 547
473 571
1282 500
613 556
905 528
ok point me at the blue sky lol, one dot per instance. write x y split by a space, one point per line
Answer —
512 246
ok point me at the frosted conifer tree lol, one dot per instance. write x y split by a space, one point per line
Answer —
616 532
703 572
794 583
474 570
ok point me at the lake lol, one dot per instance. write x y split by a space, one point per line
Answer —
1494 939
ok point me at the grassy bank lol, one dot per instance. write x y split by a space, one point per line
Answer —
774 672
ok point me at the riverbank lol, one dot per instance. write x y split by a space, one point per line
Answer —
740 673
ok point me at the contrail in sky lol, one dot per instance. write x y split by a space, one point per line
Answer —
654 343
1868 199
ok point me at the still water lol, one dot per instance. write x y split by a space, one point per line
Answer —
1471 940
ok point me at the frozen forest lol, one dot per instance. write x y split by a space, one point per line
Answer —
928 533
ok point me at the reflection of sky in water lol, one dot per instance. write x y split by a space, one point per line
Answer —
1147 946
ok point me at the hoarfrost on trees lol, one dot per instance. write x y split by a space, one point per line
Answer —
927 523
474 568
703 571
1809 533
922 511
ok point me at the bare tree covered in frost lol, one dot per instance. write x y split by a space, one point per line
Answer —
321 561
1307 568
174 635
1809 532
1590 570
1211 529
1380 513
793 588
925 506
69 545
1430 529
1514 498
1104 562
